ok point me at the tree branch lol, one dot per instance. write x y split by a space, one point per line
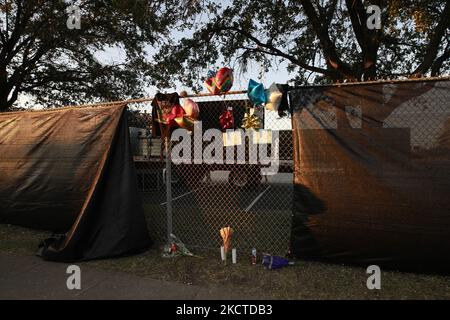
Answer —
435 41
332 58
277 52
437 65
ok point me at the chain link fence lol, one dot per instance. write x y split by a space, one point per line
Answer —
206 197
234 192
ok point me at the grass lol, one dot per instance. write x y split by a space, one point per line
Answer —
305 280
267 230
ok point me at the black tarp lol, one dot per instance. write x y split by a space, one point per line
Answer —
372 174
71 171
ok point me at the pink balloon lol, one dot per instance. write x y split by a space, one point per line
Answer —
191 108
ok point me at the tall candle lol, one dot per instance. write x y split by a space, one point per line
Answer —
234 255
222 253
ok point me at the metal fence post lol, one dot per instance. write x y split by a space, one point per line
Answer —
168 187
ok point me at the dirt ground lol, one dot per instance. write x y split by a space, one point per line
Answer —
304 280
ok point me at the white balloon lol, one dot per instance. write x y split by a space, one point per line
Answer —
274 96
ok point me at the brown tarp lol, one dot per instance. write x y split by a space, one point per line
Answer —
372 174
71 171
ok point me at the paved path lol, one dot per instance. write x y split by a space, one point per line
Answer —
29 277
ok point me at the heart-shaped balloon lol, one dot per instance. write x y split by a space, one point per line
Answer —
185 123
224 79
176 112
191 109
210 84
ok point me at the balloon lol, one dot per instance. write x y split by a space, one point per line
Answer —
224 79
256 92
185 123
210 84
176 112
211 74
273 98
191 109
226 120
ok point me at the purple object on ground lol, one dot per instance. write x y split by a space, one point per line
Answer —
274 262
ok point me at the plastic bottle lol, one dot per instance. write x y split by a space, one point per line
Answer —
253 256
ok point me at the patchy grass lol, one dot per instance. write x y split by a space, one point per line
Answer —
305 280
16 240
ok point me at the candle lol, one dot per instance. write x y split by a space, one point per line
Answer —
222 253
234 255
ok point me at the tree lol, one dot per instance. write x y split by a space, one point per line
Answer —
41 56
322 40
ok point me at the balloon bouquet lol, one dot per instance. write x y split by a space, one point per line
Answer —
260 97
218 83
168 115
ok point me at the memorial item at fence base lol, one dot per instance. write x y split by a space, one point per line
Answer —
271 262
256 93
176 248
226 234
222 253
226 120
254 256
372 186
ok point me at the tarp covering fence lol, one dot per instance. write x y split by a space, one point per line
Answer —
71 171
372 174
371 184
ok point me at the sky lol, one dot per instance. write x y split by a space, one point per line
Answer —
278 74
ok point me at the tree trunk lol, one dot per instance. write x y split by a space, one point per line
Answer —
370 64
3 90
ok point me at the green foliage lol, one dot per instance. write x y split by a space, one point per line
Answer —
321 40
41 56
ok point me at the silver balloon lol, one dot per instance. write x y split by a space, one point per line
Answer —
274 96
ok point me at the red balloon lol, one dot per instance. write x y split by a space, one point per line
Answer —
226 120
176 112
224 79
211 86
